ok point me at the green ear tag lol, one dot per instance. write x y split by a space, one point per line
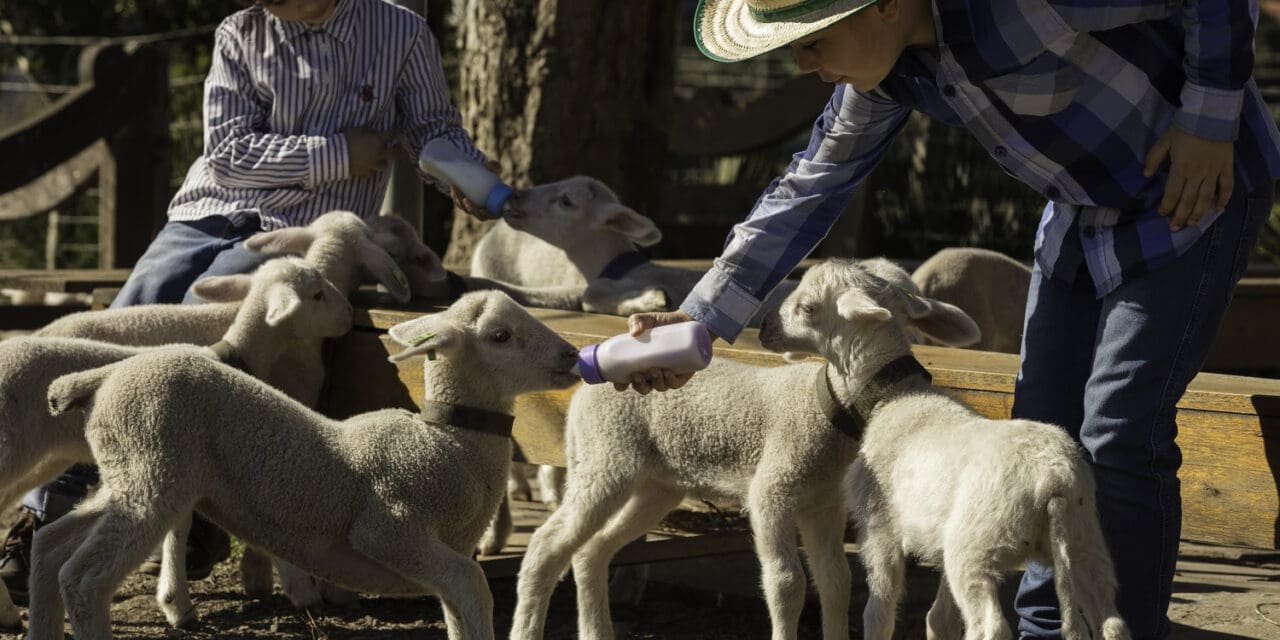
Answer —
401 279
422 338
431 354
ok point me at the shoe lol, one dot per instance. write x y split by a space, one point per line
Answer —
15 562
207 545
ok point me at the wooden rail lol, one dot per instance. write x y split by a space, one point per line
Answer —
1229 426
113 125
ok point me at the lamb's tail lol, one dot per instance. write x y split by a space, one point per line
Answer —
76 390
1083 573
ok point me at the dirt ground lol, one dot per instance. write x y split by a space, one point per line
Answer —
1220 593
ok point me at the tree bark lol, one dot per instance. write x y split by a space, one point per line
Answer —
555 88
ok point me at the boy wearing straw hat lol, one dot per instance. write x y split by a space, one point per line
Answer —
1140 124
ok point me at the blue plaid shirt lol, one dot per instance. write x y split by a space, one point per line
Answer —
1067 95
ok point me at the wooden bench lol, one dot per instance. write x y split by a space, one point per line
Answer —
1229 426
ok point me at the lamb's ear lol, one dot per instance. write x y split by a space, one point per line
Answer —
855 304
282 303
222 288
428 334
946 323
382 267
287 240
620 218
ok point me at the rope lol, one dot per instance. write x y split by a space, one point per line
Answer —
145 38
1258 608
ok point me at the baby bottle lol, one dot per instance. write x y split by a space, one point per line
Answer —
683 347
443 161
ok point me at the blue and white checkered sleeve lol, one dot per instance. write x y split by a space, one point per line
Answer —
1218 63
797 209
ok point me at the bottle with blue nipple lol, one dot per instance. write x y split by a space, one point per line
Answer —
445 162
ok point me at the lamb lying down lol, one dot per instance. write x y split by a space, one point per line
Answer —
936 481
388 502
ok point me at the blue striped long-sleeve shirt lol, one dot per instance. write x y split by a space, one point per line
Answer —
1066 95
279 95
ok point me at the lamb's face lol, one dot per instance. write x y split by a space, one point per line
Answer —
821 308
402 242
493 339
299 297
577 210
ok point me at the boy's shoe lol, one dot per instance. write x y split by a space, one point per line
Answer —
15 562
207 545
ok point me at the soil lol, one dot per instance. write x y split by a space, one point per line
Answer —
1222 593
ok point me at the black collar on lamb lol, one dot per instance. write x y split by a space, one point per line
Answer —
457 285
851 421
456 415
622 265
229 356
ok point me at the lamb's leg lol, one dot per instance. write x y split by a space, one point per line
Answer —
591 563
782 575
499 531
255 574
974 587
517 484
412 551
551 484
52 546
886 566
9 616
298 586
591 497
943 621
822 532
122 538
172 593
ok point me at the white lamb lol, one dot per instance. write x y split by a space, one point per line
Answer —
383 502
284 301
346 250
632 458
990 286
936 481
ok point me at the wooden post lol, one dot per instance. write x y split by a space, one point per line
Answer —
404 192
133 180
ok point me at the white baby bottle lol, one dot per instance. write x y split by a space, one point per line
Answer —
447 163
683 347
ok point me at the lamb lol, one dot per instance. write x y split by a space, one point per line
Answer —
394 501
345 249
284 301
935 480
632 458
990 286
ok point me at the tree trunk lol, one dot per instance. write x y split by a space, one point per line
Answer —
555 88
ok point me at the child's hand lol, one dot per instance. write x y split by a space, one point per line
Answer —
463 202
1200 175
368 151
655 379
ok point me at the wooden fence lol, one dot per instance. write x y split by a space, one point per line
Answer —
115 126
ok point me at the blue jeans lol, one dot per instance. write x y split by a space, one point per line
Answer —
1111 371
181 253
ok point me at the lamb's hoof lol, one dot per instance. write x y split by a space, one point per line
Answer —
183 619
256 575
338 597
489 545
646 301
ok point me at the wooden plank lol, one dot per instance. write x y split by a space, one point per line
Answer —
655 549
1229 425
53 188
67 280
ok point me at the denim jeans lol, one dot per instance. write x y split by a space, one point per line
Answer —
181 253
1111 371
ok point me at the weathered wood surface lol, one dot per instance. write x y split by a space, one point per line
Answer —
68 280
1229 426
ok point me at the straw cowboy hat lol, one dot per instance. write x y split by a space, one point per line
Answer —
732 30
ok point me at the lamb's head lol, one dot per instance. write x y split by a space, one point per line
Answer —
842 309
340 244
578 210
420 264
490 340
289 294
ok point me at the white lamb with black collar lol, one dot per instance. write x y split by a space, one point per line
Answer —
754 435
936 481
380 503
